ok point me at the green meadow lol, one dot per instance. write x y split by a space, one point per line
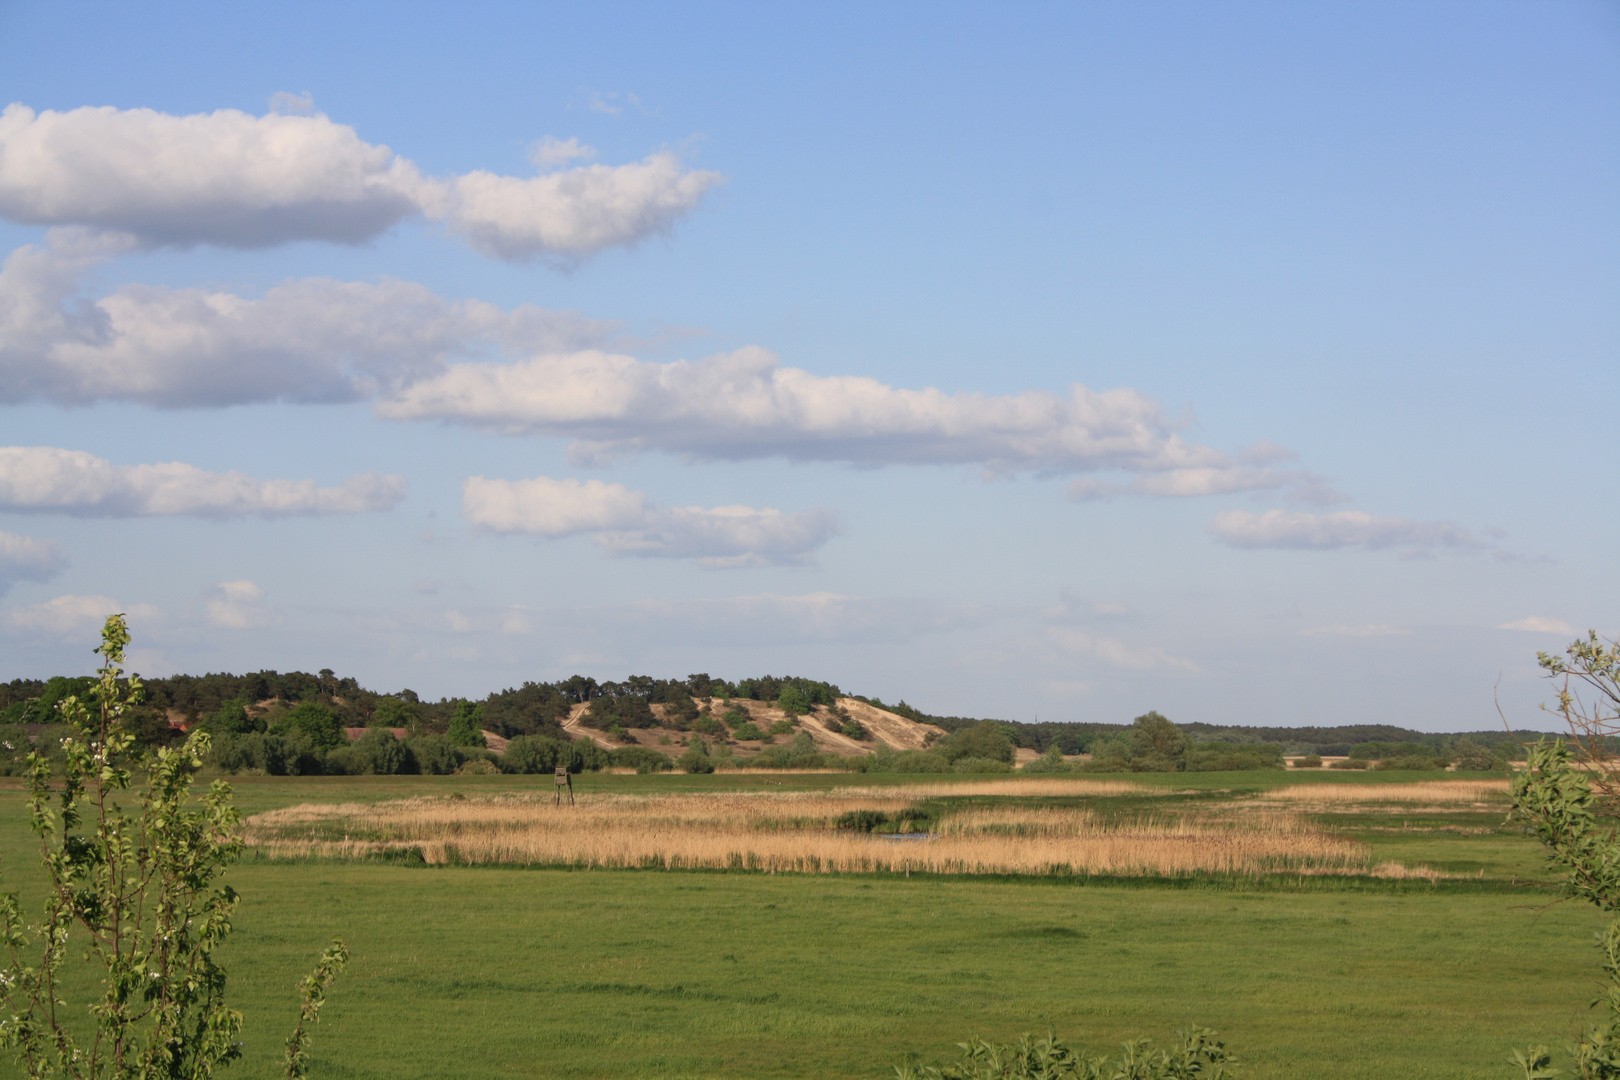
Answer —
496 972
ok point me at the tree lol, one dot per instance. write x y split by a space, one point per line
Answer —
140 897
1567 800
1157 745
466 725
793 702
314 720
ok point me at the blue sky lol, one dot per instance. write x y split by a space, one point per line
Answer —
450 348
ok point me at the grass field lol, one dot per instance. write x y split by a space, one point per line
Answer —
491 971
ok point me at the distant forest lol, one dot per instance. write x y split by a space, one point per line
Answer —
538 708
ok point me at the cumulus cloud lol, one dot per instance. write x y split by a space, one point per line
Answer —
1539 624
70 616
23 558
45 479
237 180
310 340
239 605
1345 528
626 522
745 404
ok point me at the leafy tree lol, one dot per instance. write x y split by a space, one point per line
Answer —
315 721
792 701
231 718
1157 745
140 897
396 712
466 725
1568 802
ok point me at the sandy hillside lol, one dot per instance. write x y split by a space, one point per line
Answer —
885 727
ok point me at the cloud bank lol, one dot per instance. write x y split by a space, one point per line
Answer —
1346 528
746 405
626 523
45 479
311 340
421 357
237 180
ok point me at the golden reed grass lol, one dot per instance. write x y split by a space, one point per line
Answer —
1424 791
794 832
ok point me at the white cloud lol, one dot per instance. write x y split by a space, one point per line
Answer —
550 153
239 605
1223 479
23 558
625 522
310 340
573 213
744 405
71 616
222 178
1346 528
50 480
285 101
1539 624
1371 630
238 180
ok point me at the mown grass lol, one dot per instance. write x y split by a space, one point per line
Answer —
495 972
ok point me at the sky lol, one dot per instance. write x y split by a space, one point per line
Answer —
1255 363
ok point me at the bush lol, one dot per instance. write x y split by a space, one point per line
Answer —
854 730
907 761
527 754
433 754
793 702
1309 761
986 739
1199 1054
708 725
980 765
641 759
1049 763
783 727
1412 763
1231 757
799 753
735 717
376 753
862 820
1472 757
1352 763
696 759
477 767
747 732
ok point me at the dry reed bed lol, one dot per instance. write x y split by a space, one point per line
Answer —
790 831
1423 791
